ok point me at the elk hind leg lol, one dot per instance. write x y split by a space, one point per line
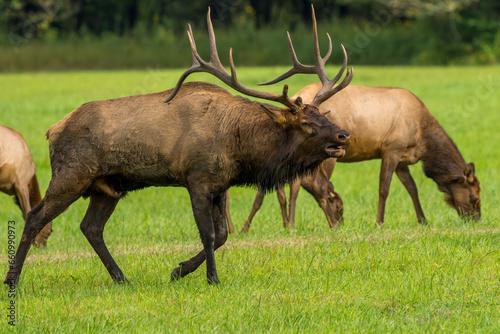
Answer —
100 209
218 230
280 191
404 175
22 195
55 202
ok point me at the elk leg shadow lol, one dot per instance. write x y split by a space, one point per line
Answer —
100 209
210 216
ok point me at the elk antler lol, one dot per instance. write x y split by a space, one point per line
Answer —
319 68
215 68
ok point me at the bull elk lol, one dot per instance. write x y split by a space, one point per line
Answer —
204 139
18 178
394 125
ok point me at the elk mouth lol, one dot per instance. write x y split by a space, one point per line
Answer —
335 151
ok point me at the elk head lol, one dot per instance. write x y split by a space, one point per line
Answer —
312 131
462 193
332 206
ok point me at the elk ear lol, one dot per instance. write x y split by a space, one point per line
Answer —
276 115
331 191
330 187
469 172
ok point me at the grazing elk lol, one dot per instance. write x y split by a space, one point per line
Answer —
318 185
394 125
204 139
17 176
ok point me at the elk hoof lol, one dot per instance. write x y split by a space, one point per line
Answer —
118 277
122 281
40 243
11 280
176 274
213 280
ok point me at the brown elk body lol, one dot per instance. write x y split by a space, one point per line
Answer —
394 125
204 139
18 178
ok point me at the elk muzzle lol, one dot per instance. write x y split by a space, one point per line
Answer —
336 149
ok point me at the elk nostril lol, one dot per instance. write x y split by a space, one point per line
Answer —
343 136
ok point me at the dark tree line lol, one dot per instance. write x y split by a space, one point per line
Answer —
123 16
421 31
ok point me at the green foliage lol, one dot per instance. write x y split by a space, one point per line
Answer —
69 35
358 278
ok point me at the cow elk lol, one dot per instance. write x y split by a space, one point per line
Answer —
17 176
318 185
204 139
394 125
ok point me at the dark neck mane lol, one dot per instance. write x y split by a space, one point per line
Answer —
268 155
442 160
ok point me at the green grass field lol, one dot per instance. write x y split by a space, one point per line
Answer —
444 277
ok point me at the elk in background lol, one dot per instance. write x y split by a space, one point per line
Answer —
318 185
17 176
204 139
394 125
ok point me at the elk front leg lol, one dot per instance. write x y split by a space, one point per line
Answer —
100 209
280 191
210 217
230 226
294 192
388 166
259 198
404 175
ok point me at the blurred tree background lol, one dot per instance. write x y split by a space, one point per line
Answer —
107 34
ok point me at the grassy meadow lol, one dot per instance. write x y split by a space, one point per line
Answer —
404 277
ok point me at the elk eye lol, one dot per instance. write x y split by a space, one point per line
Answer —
305 124
474 200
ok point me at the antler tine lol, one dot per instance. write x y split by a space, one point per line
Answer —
298 67
197 61
330 47
283 98
324 95
328 84
342 69
319 65
214 56
214 67
318 68
194 52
